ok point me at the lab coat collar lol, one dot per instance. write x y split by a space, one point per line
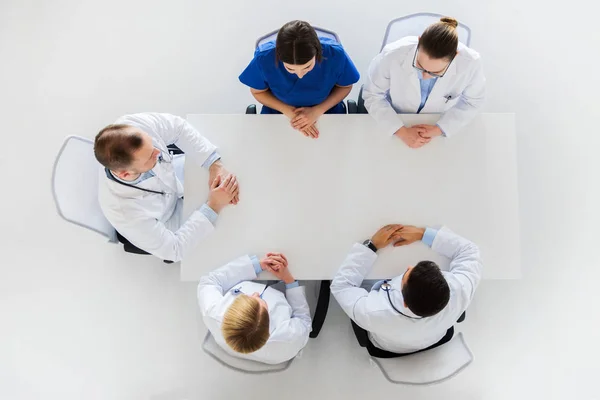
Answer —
398 299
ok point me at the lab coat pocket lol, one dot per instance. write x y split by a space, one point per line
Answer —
451 98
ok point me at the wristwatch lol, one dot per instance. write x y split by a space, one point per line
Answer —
368 243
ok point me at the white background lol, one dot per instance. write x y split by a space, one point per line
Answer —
80 319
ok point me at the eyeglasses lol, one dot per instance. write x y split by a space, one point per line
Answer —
435 74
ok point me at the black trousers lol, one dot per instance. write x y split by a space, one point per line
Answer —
363 339
128 247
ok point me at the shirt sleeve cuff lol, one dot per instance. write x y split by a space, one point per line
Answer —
428 236
292 285
443 133
215 156
209 213
256 263
395 128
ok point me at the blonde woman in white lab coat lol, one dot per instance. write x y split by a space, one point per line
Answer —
251 320
433 73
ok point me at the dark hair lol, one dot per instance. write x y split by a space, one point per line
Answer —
297 43
440 40
426 291
114 146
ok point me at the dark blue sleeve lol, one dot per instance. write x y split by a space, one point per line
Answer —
348 74
253 75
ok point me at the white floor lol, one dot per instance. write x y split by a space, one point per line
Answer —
79 319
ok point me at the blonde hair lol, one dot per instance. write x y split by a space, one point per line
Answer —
245 325
450 21
440 40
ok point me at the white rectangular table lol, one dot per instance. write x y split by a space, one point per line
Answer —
312 199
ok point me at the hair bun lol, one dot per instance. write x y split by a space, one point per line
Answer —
450 21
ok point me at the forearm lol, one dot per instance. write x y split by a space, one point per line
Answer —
296 297
229 275
468 106
382 111
457 117
355 267
268 99
188 139
338 94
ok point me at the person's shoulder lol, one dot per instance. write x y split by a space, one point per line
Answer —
331 47
401 46
146 120
135 119
283 332
467 54
265 50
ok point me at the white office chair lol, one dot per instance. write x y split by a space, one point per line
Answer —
428 367
75 186
415 24
211 347
320 32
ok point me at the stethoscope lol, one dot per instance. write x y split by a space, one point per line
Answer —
386 288
159 160
238 290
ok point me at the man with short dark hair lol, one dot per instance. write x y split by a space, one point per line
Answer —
141 185
417 309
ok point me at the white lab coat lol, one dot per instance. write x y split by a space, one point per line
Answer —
289 315
372 310
393 87
152 222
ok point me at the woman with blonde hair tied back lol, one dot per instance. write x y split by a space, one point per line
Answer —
432 73
252 320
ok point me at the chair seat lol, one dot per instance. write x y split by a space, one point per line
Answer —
212 348
428 367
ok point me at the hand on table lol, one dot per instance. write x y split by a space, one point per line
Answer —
431 131
277 264
217 170
222 192
311 131
305 117
387 235
409 234
413 136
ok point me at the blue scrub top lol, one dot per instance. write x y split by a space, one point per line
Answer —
336 68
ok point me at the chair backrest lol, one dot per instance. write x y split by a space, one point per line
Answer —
320 32
415 24
212 348
75 186
428 367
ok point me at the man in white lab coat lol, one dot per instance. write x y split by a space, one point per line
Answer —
252 320
433 73
415 310
140 191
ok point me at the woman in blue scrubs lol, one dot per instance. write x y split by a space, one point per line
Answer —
300 75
